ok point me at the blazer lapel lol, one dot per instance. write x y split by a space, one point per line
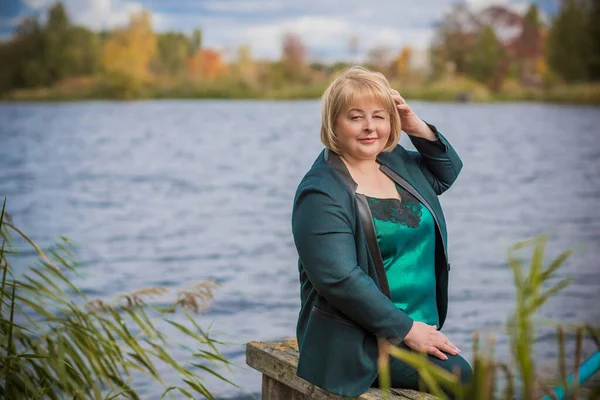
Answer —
399 174
366 220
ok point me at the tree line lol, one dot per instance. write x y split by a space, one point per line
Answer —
566 49
126 61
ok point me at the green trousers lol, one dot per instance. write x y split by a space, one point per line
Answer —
403 376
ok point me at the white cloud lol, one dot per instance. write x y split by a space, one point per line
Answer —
327 38
101 14
326 27
245 6
37 4
519 6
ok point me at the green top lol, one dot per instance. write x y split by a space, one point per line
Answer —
406 236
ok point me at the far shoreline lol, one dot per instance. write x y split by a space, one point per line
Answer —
449 90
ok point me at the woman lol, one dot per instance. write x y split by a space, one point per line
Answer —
371 240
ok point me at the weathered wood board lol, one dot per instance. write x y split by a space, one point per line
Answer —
277 362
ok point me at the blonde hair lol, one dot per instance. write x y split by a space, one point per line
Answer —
352 84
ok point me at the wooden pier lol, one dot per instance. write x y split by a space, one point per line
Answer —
277 362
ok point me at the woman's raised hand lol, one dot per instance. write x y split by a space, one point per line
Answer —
411 123
427 339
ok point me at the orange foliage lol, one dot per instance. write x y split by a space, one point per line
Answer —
206 64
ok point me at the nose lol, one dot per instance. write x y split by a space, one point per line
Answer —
369 125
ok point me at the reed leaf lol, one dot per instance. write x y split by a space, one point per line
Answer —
539 301
520 326
61 350
31 242
556 264
181 390
199 387
214 373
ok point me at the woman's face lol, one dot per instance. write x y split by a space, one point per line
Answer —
362 129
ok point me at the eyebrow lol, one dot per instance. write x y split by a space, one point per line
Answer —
358 109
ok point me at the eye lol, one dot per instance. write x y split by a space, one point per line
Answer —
354 118
380 116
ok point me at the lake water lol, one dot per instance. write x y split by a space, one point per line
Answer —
172 192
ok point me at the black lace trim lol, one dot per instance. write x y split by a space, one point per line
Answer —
406 212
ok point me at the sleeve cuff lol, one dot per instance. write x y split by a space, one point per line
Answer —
430 147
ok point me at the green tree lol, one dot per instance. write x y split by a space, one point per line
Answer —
84 51
594 35
195 42
454 40
57 38
27 54
569 45
483 60
172 54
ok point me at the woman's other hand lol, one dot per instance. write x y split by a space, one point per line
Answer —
427 339
410 122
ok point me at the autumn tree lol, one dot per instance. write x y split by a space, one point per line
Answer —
245 66
129 50
206 64
379 58
293 58
454 39
402 63
127 54
528 46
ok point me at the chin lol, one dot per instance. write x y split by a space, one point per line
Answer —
369 155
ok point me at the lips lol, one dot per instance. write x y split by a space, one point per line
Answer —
368 140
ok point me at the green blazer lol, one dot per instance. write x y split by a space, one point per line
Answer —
345 303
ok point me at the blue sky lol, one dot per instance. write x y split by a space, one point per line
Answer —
326 26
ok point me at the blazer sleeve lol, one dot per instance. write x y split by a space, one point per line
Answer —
324 238
437 159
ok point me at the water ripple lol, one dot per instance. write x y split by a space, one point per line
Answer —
173 192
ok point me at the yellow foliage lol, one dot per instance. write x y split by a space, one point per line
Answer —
402 63
129 50
245 66
540 66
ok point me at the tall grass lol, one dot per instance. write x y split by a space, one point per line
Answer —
521 378
55 343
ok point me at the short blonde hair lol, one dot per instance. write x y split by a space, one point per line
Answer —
356 83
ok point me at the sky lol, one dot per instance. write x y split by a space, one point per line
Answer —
325 26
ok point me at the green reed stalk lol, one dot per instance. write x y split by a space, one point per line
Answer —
531 295
71 347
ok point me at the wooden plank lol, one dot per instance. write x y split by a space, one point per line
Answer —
275 390
277 361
